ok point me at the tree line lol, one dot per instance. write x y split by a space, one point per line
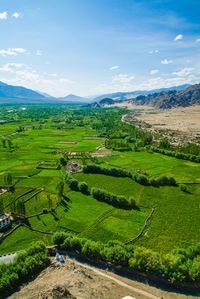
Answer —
26 264
180 265
117 201
139 178
176 154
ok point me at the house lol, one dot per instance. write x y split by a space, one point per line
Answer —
4 221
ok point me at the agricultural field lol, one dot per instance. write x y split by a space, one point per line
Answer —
37 143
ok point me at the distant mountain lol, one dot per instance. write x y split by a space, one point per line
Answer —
102 103
72 98
166 100
10 91
123 96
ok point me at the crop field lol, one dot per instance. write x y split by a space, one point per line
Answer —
32 164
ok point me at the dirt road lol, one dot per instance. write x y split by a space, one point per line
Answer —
75 280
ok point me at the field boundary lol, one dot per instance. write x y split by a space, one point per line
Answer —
145 224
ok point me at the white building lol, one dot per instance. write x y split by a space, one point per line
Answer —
4 221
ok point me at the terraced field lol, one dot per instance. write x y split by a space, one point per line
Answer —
175 210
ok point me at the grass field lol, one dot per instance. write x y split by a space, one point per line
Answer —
175 222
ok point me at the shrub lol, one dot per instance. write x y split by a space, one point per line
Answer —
73 184
59 237
117 201
83 187
25 265
184 188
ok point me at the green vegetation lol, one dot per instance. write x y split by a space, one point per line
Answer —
180 265
25 265
121 171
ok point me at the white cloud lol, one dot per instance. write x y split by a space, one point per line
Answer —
11 67
12 51
39 52
153 72
19 50
122 78
198 40
115 67
153 51
178 37
24 75
184 72
53 75
3 15
65 81
166 61
16 15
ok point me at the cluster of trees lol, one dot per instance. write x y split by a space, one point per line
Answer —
75 185
6 143
25 265
8 179
190 148
139 178
176 154
117 144
180 265
118 201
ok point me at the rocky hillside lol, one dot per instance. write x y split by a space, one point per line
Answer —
102 103
166 100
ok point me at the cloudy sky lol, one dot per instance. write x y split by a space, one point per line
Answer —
90 47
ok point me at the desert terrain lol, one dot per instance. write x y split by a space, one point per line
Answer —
74 280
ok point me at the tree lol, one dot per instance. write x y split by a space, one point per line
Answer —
9 179
73 184
4 142
9 142
60 189
49 201
20 207
164 143
83 187
1 205
62 161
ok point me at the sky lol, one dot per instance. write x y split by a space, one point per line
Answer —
91 47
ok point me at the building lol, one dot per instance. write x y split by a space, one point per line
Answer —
4 221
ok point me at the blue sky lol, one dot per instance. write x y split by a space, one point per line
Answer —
90 47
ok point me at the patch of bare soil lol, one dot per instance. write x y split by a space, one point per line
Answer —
77 281
102 154
101 147
73 167
181 119
3 190
68 142
94 138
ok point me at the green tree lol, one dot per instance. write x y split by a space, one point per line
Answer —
49 201
60 189
9 142
1 205
3 142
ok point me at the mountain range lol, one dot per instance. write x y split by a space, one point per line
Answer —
182 95
166 100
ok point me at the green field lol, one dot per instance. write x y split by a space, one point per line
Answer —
175 222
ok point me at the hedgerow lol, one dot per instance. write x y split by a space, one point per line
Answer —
25 265
178 266
139 178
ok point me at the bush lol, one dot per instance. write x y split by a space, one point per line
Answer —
25 265
59 237
110 198
184 188
178 266
73 184
83 187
